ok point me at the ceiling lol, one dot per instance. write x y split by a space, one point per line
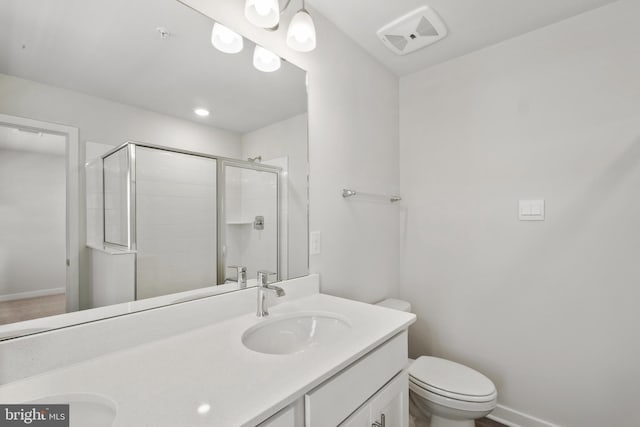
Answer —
111 49
26 140
472 24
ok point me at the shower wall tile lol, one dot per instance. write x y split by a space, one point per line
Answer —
175 222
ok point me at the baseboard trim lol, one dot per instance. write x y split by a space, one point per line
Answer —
32 294
512 418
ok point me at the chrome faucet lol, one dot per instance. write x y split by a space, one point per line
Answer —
241 278
263 287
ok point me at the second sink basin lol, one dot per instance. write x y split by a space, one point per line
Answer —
293 333
85 409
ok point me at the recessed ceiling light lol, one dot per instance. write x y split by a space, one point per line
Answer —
201 112
204 408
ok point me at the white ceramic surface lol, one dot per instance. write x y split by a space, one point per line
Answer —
209 367
85 409
451 379
294 333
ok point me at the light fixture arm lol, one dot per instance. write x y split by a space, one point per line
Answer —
282 11
301 33
286 5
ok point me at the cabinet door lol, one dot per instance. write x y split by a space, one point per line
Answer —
291 416
390 406
333 401
360 418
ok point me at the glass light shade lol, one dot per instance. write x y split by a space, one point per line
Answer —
265 60
226 40
263 13
301 35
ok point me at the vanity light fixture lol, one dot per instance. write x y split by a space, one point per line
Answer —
262 13
226 40
265 60
201 112
301 35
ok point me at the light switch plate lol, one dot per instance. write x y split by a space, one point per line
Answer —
531 210
314 243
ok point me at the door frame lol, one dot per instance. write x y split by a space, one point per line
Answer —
72 200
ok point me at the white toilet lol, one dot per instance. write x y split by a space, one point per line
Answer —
444 393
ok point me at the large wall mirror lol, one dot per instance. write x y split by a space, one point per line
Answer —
140 165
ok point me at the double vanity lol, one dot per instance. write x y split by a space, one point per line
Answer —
315 360
172 211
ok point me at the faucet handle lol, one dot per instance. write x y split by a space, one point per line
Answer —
263 277
241 275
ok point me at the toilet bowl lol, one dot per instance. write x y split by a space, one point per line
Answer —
443 393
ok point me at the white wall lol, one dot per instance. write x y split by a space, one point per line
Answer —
32 225
353 142
288 138
106 122
548 310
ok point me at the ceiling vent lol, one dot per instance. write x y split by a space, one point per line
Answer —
413 31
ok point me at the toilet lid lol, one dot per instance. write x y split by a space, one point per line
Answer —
451 379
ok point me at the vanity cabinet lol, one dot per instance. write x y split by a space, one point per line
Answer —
373 389
373 385
387 408
291 416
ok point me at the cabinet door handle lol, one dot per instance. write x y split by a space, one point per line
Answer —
380 423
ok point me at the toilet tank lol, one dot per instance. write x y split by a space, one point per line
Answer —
396 304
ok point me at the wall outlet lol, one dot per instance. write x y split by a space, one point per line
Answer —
314 243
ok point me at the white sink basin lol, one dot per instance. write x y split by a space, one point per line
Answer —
296 332
85 409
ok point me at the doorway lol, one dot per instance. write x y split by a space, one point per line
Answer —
38 219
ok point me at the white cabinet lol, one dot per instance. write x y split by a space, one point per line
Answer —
336 399
291 416
360 418
387 408
371 392
391 404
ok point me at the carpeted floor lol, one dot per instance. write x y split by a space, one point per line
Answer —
31 308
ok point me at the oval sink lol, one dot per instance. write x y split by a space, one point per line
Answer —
293 333
85 409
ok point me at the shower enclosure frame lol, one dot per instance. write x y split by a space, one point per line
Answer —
222 232
221 163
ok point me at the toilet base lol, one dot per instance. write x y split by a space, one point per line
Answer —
426 413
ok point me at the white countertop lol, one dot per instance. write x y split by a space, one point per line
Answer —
162 383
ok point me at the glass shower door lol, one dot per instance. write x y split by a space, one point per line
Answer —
250 226
176 228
